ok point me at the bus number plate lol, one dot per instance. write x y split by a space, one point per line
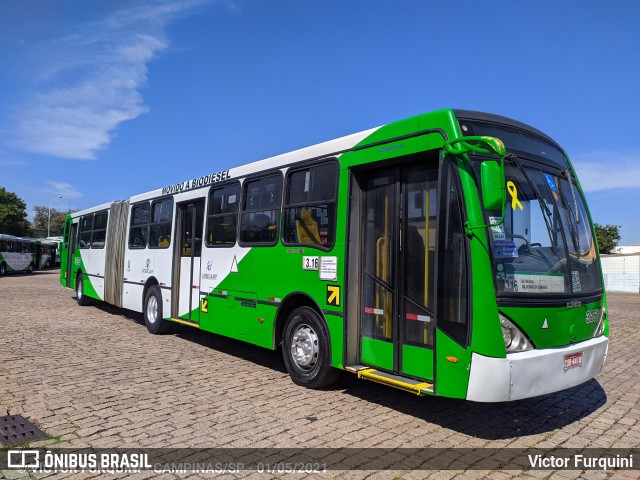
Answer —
573 360
310 263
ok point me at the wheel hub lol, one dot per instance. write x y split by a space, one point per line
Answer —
152 309
304 347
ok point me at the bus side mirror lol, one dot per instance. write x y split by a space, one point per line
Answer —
492 185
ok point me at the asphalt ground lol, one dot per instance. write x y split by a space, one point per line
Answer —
94 377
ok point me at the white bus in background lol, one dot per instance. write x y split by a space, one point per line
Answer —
17 254
46 252
58 242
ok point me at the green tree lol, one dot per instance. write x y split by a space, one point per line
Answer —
41 219
13 215
608 237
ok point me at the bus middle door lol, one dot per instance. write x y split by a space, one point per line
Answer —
189 229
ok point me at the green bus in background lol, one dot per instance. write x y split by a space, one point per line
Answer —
449 254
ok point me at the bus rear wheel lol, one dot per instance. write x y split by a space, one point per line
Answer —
81 298
153 318
30 269
305 349
3 269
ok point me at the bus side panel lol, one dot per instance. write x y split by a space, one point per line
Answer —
90 283
278 272
132 298
135 261
161 270
452 367
95 270
17 261
232 307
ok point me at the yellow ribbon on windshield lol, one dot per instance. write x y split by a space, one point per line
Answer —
513 191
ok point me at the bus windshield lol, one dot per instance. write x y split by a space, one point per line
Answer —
545 245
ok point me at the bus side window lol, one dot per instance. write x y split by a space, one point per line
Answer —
139 226
310 206
67 228
161 221
86 228
99 229
261 210
452 297
222 219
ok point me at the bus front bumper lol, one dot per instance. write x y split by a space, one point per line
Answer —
535 372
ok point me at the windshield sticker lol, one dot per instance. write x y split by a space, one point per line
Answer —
505 249
513 191
551 182
575 281
497 231
536 283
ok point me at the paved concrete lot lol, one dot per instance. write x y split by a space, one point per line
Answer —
93 376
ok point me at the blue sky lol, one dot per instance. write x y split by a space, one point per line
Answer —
103 100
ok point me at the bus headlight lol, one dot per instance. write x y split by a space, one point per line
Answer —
600 328
514 339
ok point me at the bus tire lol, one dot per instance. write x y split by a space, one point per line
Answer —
3 269
81 298
30 269
152 310
306 349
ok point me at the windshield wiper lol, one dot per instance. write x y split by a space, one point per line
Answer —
547 212
567 173
575 235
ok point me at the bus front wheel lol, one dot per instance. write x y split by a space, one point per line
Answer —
81 298
30 270
153 311
3 269
306 349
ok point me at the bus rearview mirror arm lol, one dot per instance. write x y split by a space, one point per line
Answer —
492 177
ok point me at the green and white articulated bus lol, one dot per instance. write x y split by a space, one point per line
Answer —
17 254
449 254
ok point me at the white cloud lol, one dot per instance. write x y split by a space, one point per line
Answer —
606 170
90 81
9 162
67 190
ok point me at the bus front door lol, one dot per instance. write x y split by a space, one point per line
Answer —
189 230
397 324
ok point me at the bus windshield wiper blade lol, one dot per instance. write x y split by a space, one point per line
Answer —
575 235
547 213
567 173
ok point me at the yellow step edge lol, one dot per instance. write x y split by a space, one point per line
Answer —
185 322
418 388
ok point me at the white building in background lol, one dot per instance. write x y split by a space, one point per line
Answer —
621 270
627 249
